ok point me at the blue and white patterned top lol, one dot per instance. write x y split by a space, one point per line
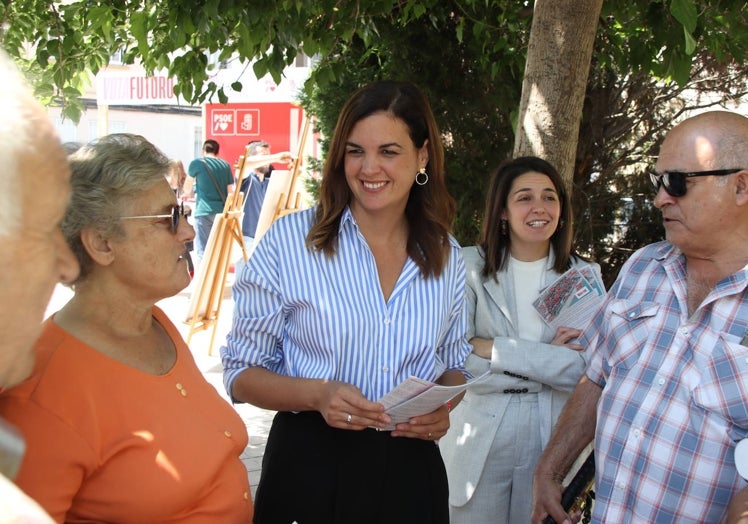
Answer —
675 397
301 313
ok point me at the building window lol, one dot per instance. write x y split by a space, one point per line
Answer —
197 141
117 58
93 129
302 60
67 130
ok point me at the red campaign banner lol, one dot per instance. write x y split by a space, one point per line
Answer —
233 126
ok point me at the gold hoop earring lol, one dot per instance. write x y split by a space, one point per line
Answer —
422 177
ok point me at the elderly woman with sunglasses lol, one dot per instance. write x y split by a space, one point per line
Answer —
119 422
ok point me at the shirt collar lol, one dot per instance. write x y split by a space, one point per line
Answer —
668 254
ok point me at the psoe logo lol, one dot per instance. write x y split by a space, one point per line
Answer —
223 123
248 122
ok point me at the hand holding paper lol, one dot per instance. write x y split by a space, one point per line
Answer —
416 396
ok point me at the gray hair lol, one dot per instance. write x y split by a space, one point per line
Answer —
732 147
106 175
16 128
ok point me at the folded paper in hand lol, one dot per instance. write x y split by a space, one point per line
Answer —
572 300
416 396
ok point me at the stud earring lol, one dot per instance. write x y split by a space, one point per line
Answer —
504 227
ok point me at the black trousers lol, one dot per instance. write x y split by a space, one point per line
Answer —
315 474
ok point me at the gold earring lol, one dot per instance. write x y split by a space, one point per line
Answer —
422 177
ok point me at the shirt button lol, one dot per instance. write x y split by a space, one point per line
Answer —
661 381
632 314
620 485
246 496
683 330
386 369
387 320
637 433
227 433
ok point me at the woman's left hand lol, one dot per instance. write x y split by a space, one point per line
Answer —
564 337
431 426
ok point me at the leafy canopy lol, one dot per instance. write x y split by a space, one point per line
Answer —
63 42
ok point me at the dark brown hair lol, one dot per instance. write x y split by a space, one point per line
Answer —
496 245
211 146
430 209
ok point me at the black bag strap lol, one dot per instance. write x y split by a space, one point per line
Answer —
213 179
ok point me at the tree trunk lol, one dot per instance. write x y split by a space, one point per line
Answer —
558 63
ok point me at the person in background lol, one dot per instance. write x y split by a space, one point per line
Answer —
504 421
210 178
177 176
255 185
665 392
342 302
121 425
36 186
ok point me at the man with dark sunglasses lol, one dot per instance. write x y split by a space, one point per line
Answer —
665 394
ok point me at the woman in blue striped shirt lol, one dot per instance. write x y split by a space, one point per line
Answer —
338 305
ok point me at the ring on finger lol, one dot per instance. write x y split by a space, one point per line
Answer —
348 419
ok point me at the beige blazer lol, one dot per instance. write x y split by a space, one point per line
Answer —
548 370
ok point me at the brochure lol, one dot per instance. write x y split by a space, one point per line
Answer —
416 396
572 300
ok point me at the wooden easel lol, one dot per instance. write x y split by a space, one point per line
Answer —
210 278
283 195
291 200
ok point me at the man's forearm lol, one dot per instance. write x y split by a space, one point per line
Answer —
738 509
573 431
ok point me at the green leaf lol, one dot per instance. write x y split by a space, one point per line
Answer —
684 11
690 42
681 69
139 31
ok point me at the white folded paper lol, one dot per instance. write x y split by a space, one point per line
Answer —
416 396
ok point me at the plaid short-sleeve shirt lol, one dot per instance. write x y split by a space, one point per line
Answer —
675 393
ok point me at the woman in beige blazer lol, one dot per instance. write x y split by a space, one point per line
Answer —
499 430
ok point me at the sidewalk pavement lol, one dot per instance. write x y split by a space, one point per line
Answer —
257 420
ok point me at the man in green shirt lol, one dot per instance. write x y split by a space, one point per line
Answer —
212 176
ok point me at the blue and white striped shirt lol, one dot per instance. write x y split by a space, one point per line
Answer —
301 313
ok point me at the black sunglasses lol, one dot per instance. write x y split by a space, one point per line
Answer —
177 212
674 182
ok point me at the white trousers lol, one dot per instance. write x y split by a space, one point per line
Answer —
504 491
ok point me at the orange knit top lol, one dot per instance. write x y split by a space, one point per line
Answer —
109 443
